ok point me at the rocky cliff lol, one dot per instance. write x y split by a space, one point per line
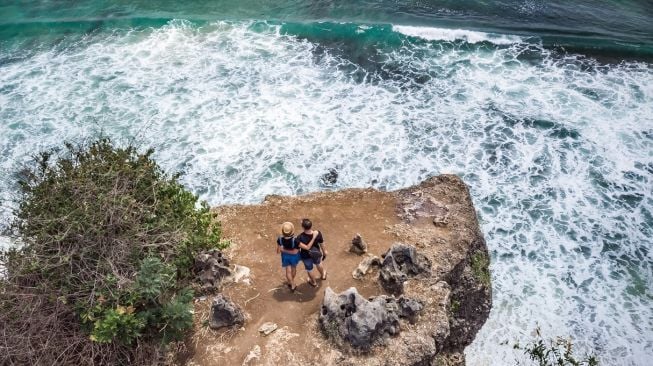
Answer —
414 292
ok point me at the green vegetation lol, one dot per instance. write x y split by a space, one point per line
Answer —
103 274
481 267
557 352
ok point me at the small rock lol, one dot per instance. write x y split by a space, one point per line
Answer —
364 266
225 313
240 274
330 178
358 245
267 328
441 220
253 355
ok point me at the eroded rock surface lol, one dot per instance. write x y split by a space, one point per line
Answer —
225 313
349 318
399 264
212 267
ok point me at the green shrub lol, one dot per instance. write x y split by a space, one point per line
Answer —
556 352
109 244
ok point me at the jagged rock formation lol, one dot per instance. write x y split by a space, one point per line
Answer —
224 313
399 264
351 319
212 267
365 265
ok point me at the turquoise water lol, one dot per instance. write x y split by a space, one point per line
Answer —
544 108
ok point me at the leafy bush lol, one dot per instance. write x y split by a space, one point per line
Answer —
108 245
556 352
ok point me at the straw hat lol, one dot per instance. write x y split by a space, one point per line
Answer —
287 229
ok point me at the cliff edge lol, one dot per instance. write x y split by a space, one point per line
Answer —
448 297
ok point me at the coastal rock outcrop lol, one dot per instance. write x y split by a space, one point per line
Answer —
430 297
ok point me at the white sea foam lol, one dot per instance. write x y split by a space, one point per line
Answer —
444 34
245 114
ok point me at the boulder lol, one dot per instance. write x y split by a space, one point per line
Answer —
399 264
349 318
364 266
211 267
225 313
358 245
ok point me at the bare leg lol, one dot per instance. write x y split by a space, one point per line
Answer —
311 277
320 269
289 277
294 274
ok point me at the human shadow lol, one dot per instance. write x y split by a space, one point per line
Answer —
303 293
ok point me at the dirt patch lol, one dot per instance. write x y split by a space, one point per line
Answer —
253 231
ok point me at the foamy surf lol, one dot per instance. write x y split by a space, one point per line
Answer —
443 34
557 151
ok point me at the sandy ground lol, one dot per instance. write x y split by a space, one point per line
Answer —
253 231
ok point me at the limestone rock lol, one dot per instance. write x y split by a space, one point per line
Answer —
358 245
267 328
351 318
364 266
348 317
225 313
400 263
212 267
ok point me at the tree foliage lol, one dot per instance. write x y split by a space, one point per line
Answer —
556 352
108 243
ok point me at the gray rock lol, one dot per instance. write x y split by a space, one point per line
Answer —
330 178
400 263
409 308
349 318
364 266
211 267
358 245
225 313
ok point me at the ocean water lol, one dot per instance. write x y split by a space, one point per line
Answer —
545 108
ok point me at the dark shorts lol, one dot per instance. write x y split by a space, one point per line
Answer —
309 262
289 259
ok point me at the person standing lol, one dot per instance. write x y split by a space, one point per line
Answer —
288 246
312 251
